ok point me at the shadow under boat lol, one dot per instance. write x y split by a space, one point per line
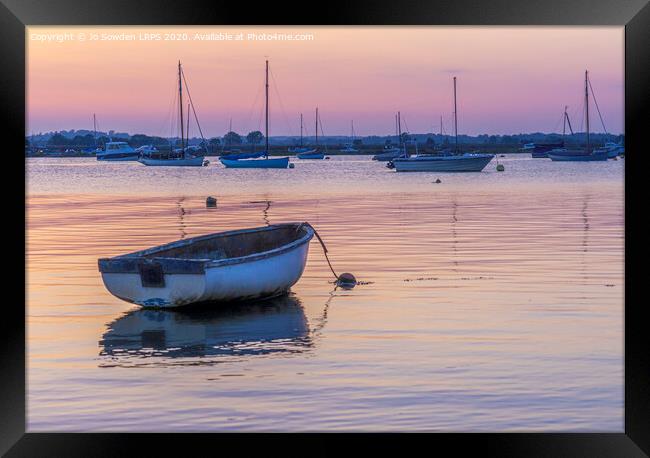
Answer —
277 325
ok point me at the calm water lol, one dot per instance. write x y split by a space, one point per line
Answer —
493 302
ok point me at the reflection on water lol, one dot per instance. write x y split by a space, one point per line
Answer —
487 302
277 325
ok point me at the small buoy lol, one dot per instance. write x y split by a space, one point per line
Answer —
210 202
500 168
292 166
615 158
503 155
438 181
346 280
327 157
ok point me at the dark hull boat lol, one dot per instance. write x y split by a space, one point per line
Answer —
578 155
541 150
588 154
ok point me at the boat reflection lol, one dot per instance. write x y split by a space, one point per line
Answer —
273 326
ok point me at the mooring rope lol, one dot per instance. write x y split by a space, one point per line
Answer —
345 280
322 243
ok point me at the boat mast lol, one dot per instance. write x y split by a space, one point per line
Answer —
316 126
396 134
399 129
455 116
564 122
187 131
352 124
180 104
94 129
300 129
587 107
266 128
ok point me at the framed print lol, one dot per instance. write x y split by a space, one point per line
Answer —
381 219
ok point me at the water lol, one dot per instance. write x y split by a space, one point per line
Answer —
493 302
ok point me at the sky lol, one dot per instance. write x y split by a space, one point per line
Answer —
509 79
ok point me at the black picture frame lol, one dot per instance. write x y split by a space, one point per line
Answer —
633 14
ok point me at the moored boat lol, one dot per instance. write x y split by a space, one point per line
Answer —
313 155
263 161
540 150
222 267
388 154
391 152
349 148
183 156
117 151
577 155
458 162
466 162
586 154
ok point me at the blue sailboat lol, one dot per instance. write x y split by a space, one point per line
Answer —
262 161
588 154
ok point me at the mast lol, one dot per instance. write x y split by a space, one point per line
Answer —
180 104
352 124
396 134
441 126
266 128
187 131
564 122
455 116
301 130
399 129
316 126
94 129
587 107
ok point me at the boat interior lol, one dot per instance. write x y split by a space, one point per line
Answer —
236 245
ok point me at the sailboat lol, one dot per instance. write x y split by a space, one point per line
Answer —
587 154
183 156
391 152
261 162
314 153
540 150
349 147
301 149
457 162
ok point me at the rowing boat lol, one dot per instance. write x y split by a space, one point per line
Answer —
228 266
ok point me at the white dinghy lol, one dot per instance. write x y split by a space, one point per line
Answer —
222 267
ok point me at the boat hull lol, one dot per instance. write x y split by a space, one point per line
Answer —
565 156
474 163
119 157
187 162
188 281
387 156
310 156
274 163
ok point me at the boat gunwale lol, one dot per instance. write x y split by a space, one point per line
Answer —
444 158
205 263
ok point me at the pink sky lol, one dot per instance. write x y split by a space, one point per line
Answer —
510 79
